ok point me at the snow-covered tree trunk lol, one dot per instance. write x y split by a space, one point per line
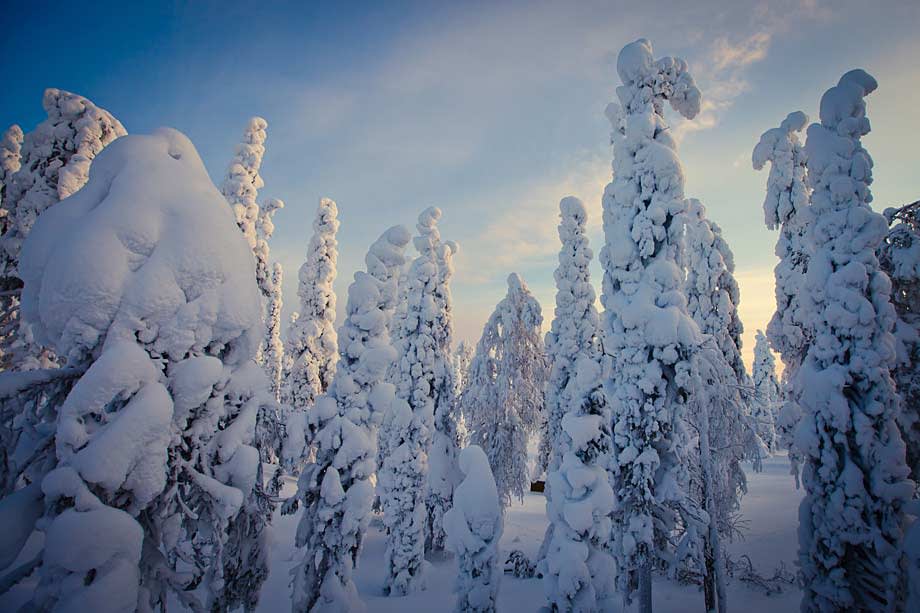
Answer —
421 376
855 475
152 458
53 164
474 529
899 257
766 392
336 491
786 207
311 341
504 399
647 333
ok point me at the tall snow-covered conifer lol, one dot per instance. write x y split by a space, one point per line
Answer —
647 333
504 399
54 163
443 471
855 475
152 461
575 327
786 207
311 341
336 490
274 351
422 376
578 572
766 392
899 257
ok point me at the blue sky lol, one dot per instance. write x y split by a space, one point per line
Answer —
491 111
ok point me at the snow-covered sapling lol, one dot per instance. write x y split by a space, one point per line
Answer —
474 528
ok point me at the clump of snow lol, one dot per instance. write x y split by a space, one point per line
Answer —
474 528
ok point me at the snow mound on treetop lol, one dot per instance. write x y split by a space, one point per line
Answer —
134 253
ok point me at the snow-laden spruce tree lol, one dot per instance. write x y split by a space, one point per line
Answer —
274 350
446 440
717 480
855 475
54 163
579 574
899 257
461 361
10 162
504 398
575 327
242 183
786 207
422 377
142 283
336 490
647 332
311 341
766 392
474 529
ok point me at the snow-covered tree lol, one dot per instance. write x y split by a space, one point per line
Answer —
786 208
336 490
717 480
54 163
579 574
274 354
899 257
242 183
311 341
647 332
446 439
150 460
474 528
422 379
575 327
10 162
766 392
855 475
504 398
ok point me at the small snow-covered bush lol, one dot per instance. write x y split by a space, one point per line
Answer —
474 528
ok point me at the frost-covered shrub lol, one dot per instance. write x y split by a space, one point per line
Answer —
336 490
311 342
504 399
474 527
855 475
422 379
142 283
786 207
648 334
766 392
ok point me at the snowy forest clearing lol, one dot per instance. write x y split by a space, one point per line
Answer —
768 513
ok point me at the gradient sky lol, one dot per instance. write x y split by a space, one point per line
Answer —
491 111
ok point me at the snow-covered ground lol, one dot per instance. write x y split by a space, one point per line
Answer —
770 511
